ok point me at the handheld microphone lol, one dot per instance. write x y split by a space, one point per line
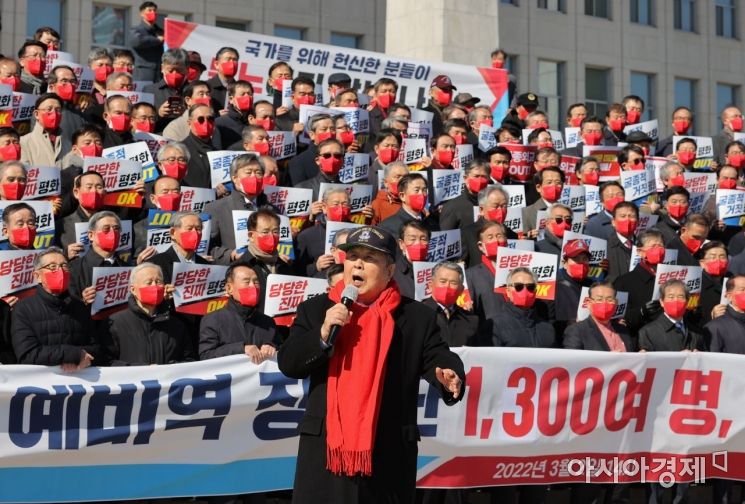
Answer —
348 297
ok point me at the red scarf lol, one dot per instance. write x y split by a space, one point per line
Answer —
355 382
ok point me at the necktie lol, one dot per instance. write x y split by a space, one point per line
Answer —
627 243
679 326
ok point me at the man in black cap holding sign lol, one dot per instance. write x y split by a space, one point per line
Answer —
440 96
525 104
358 438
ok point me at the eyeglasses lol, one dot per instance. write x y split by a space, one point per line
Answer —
520 286
201 119
336 155
559 220
55 267
605 299
174 159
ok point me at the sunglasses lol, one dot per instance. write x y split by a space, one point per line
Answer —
520 286
559 220
335 155
638 161
201 119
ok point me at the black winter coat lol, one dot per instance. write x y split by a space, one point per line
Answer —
516 327
726 334
585 335
227 331
661 335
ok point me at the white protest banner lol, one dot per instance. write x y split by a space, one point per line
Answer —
487 138
160 238
638 184
444 246
697 182
578 222
730 206
690 275
671 257
583 309
6 106
16 272
285 292
447 184
360 196
53 56
44 222
240 228
573 196
651 128
357 119
568 164
423 118
528 245
282 144
697 201
418 130
24 105
286 93
112 290
543 266
422 276
318 61
514 219
199 288
541 221
220 165
154 143
413 150
293 202
334 227
656 163
134 96
306 113
193 199
356 167
645 221
521 163
593 204
463 156
516 194
607 157
572 137
598 252
704 151
556 138
42 182
137 151
120 176
126 240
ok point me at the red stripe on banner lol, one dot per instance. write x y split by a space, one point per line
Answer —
123 199
204 306
642 467
285 320
496 80
176 32
104 314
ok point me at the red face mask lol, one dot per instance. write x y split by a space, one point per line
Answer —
144 126
393 188
91 150
193 73
267 123
497 64
305 100
491 248
523 113
578 271
174 79
51 120
252 185
591 178
270 180
496 215
498 171
341 256
558 230
244 102
35 66
617 125
101 73
551 193
545 145
675 309
278 84
416 201
543 125
677 180
57 281
387 155
632 116
445 295
459 139
204 129
189 240
248 296
693 244
443 98
347 138
523 299
152 295
91 200
717 267
445 157
385 100
10 152
592 138
122 69
201 100
229 68
14 190
169 202
626 227
150 16
417 252
681 126
65 91
175 169
736 160
736 124
487 122
476 184
108 241
576 122
320 137
338 213
739 301
267 243
262 148
23 237
686 157
723 184
331 166
655 255
13 81
677 212
120 123
603 311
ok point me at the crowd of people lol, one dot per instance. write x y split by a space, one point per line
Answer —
54 327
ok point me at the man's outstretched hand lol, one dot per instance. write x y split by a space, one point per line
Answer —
449 380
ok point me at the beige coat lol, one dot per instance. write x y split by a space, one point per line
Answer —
37 149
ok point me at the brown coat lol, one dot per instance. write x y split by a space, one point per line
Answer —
384 206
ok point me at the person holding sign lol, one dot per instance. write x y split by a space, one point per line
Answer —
104 235
304 166
387 147
693 233
19 226
194 93
559 221
569 282
173 160
732 123
675 208
458 213
599 331
385 345
682 120
226 64
303 93
599 225
713 258
117 113
726 333
166 197
499 164
167 92
615 122
685 154
254 138
143 118
443 153
481 115
311 242
549 182
387 202
147 333
413 244
412 191
199 142
230 125
384 95
591 133
10 145
45 145
239 328
674 330
625 221
63 82
52 328
345 135
88 192
588 171
576 113
186 233
493 202
329 161
13 180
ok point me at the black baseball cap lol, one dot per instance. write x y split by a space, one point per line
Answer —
527 100
371 237
338 78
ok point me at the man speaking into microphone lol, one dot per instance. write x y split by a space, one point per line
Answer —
358 438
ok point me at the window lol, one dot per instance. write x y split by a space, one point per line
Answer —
727 94
642 85
551 89
511 2
726 15
597 8
289 32
162 15
346 40
45 13
109 25
233 25
554 5
684 14
597 91
685 94
642 12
